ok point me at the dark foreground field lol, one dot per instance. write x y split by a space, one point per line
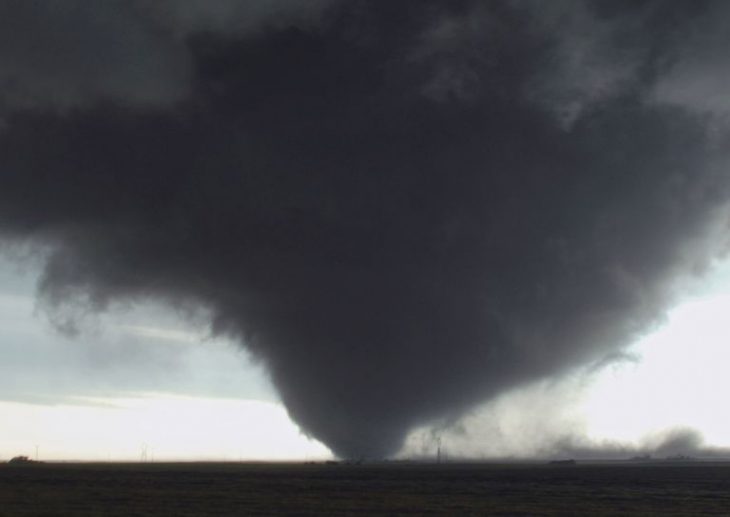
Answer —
246 489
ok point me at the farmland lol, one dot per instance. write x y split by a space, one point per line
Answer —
188 489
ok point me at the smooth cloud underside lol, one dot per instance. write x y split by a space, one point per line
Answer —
401 210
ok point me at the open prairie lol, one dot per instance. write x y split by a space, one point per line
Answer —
187 489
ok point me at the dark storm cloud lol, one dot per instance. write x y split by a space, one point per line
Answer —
63 54
401 209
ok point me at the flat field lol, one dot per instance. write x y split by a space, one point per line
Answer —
187 489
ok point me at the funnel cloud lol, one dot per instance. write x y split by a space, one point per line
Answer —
400 209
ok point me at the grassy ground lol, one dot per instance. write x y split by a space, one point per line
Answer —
476 489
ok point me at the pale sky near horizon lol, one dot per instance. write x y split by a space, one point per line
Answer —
142 383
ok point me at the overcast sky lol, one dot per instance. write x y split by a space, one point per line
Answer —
370 223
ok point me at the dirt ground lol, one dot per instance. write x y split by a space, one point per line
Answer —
187 489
